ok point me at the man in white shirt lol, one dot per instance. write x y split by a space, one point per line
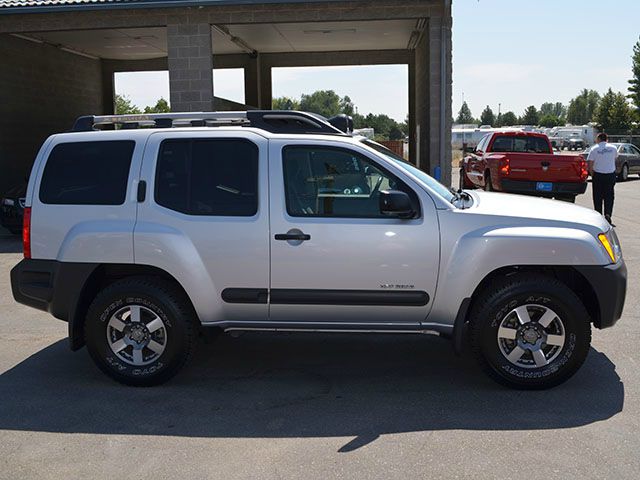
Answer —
602 167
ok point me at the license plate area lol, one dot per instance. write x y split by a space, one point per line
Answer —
544 186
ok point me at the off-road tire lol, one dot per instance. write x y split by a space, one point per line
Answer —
164 300
516 290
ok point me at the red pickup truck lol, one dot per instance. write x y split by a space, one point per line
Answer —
523 162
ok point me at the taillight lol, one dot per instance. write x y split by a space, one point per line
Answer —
584 172
26 232
505 167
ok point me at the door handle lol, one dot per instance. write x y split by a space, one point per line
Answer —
300 237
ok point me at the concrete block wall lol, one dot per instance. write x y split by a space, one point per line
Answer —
190 62
42 91
431 106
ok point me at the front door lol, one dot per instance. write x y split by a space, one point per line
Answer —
334 256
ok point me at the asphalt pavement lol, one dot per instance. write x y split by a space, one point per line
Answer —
317 406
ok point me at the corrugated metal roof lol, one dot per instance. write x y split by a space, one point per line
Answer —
41 3
11 6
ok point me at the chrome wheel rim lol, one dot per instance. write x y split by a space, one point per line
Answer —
531 336
136 335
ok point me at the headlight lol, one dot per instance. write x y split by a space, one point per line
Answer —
611 244
8 202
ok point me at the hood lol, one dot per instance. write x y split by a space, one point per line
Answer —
538 209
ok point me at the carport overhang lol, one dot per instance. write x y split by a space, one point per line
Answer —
189 38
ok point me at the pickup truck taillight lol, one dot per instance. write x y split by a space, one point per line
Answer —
582 165
503 165
26 232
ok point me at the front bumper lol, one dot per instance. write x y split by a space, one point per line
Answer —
610 286
558 188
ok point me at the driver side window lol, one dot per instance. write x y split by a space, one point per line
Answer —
334 182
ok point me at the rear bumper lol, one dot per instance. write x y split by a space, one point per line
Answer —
527 186
610 286
49 285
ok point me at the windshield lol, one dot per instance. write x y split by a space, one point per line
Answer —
428 180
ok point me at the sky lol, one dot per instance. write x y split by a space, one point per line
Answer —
510 52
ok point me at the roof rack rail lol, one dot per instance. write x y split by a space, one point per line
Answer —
274 121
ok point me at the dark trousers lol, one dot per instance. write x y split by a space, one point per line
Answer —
603 191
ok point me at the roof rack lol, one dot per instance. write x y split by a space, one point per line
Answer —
274 121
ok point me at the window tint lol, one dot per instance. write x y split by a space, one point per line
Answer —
208 177
520 144
634 150
87 173
332 182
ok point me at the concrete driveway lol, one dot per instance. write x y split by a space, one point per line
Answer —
317 406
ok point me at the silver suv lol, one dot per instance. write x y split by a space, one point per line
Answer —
139 235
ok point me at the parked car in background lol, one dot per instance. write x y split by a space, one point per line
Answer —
628 161
12 209
576 143
558 143
523 162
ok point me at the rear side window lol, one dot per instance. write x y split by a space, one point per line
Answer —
216 177
87 173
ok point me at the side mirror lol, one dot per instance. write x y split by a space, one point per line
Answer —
395 203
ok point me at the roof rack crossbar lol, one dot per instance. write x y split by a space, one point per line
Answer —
274 121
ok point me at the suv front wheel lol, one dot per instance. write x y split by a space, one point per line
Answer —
530 331
140 331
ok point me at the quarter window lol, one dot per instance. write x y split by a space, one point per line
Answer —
217 177
334 182
87 173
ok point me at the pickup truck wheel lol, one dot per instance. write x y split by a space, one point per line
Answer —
140 331
530 332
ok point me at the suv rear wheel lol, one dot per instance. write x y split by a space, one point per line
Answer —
140 331
530 332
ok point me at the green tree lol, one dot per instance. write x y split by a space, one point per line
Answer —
634 83
487 117
509 119
559 110
346 106
124 106
550 120
326 103
395 133
556 109
531 116
285 103
546 109
161 106
464 115
582 108
614 112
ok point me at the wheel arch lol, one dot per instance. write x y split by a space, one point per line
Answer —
568 275
101 277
